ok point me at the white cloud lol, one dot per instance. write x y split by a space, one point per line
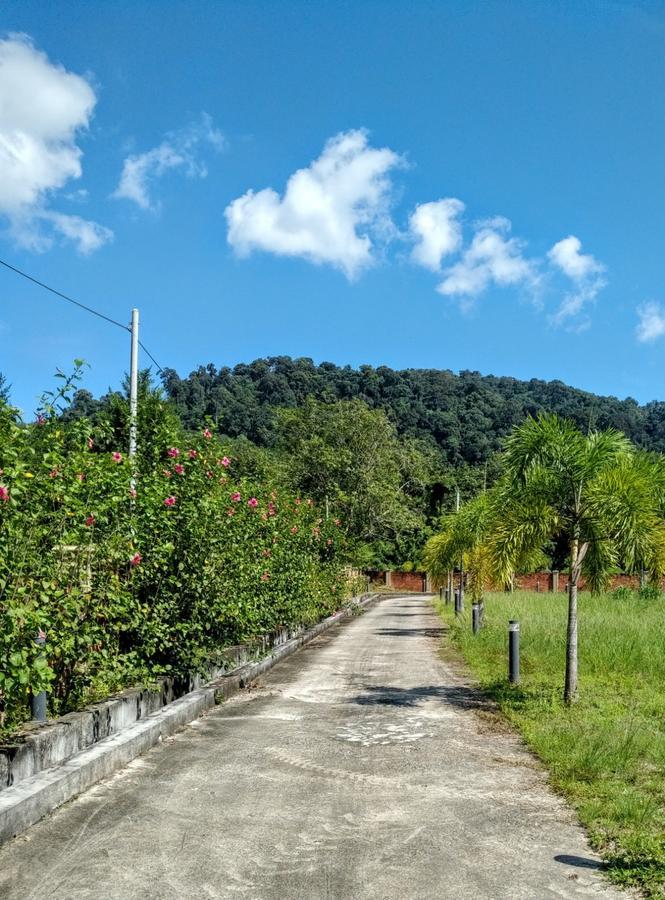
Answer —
80 195
492 258
578 266
42 110
179 150
587 275
437 231
651 322
330 211
87 235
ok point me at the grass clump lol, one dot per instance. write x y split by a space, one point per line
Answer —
606 753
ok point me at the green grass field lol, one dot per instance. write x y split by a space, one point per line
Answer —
606 754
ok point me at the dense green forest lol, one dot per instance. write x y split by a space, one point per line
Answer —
434 431
466 415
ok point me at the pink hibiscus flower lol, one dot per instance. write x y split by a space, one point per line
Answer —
170 501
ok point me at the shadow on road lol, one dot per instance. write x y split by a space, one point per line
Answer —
412 632
581 861
406 614
454 695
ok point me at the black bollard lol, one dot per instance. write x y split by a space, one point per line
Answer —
458 605
448 595
514 651
38 701
475 617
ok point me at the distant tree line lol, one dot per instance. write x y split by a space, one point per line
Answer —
466 415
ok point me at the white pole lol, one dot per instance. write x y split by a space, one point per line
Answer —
133 383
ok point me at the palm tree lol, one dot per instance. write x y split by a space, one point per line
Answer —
595 492
466 535
462 538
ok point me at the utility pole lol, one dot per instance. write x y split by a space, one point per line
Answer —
133 387
461 564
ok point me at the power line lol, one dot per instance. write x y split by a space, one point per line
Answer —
148 353
89 309
64 296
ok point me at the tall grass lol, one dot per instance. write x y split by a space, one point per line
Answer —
607 752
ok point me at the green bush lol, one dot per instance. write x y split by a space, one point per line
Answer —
130 575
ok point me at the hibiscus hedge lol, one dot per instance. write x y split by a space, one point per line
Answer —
133 574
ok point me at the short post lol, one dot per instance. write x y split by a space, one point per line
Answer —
441 594
514 651
537 585
555 581
447 594
458 605
38 701
643 579
475 617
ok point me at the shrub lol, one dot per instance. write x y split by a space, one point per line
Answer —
133 574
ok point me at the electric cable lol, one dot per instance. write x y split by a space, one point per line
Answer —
78 303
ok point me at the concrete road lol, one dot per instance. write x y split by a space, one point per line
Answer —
362 768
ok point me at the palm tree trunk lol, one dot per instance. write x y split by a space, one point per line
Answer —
577 554
570 689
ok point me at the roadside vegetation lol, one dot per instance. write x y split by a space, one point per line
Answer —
606 752
591 702
130 570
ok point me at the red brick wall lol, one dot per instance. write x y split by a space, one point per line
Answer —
532 581
528 581
408 581
400 581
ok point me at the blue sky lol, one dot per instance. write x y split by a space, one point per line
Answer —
454 185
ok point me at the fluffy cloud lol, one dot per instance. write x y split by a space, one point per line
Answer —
436 230
493 257
42 110
651 323
587 275
87 235
579 266
179 150
329 212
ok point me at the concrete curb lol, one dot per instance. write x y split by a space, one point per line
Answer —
34 797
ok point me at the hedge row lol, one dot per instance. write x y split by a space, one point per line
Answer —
129 575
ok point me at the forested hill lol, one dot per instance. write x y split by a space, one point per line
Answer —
467 415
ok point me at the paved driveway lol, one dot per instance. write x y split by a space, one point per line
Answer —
361 767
